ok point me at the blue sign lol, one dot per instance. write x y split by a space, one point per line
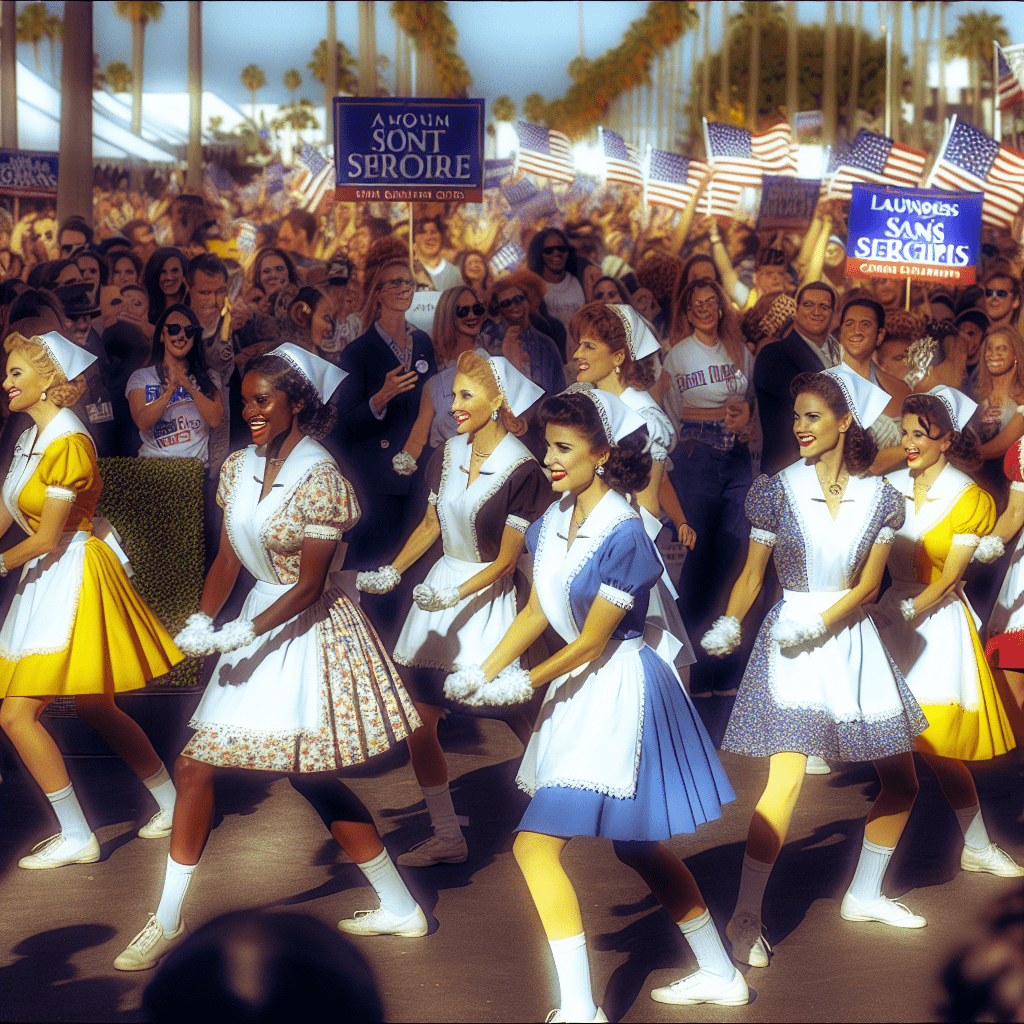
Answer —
27 173
922 233
408 150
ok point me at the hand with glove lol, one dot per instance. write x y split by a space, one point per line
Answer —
431 600
232 635
989 549
197 638
793 627
510 686
404 464
463 684
723 637
383 581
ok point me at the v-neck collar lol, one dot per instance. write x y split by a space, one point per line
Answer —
943 494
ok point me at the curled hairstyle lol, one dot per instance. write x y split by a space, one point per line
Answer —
478 370
859 448
445 331
59 390
315 419
729 329
934 416
1016 343
597 321
628 469
194 360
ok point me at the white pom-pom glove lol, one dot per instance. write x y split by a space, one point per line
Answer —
431 600
403 463
989 549
196 639
461 685
793 628
723 637
235 634
907 609
510 686
383 581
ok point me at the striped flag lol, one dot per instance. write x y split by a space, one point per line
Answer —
316 189
671 180
875 160
545 152
507 258
528 202
742 158
273 176
621 161
495 170
971 161
312 160
1011 81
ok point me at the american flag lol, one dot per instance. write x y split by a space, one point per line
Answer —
526 201
672 180
1011 84
217 181
495 170
317 187
545 152
507 258
521 192
741 158
312 160
621 161
971 161
875 160
273 176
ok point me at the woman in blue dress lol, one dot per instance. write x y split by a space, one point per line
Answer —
618 750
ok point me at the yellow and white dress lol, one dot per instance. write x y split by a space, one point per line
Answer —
939 652
76 625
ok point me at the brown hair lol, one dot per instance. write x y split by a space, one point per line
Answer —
859 448
59 390
478 370
985 382
932 412
374 285
729 329
445 333
603 324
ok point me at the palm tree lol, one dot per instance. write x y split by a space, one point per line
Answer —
754 75
345 79
940 106
74 185
973 40
533 107
140 15
724 86
253 79
31 28
292 80
118 76
919 64
54 32
896 82
194 152
853 99
503 109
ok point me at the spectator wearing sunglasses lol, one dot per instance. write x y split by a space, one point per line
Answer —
173 400
552 257
1002 296
75 235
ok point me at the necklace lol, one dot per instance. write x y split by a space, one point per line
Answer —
481 455
836 487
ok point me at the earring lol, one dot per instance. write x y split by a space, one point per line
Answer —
494 415
618 370
599 470
42 397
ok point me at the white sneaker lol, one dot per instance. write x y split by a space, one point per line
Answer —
817 766
55 853
749 945
555 1017
702 987
438 849
159 826
383 922
149 946
991 860
882 910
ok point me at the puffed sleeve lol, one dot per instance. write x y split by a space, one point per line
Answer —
528 496
226 484
68 467
763 507
326 503
892 512
433 473
628 564
1012 466
973 516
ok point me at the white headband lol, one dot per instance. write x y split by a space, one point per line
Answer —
324 376
639 335
958 405
617 418
71 358
865 400
516 388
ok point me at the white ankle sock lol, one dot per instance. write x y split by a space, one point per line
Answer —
70 816
442 811
176 880
387 883
160 785
704 940
973 828
753 880
867 879
573 969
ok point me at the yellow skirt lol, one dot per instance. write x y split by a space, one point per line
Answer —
116 643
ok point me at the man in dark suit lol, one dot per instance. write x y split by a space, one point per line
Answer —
807 348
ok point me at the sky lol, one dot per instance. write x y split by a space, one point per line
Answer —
510 48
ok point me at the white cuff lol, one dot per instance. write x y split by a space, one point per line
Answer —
886 535
517 523
617 597
967 539
321 531
765 537
378 415
67 494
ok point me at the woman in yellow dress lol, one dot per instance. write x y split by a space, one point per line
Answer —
925 619
76 627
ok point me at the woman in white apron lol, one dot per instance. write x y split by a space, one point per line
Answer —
485 490
819 682
618 750
303 684
76 627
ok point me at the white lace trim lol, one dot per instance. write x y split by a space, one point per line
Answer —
617 597
321 531
970 540
886 535
68 494
432 498
1016 485
765 537
517 523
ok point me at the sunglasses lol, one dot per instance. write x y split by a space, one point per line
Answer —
476 309
173 330
998 293
398 282
548 250
67 247
514 301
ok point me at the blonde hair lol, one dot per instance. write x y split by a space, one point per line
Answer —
374 286
478 370
58 390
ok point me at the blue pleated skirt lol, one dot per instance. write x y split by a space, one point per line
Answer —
680 783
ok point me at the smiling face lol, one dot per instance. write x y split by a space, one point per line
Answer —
273 273
471 405
859 333
816 426
595 360
428 241
570 459
923 449
474 268
171 276
1000 300
24 384
605 291
999 354
704 310
321 325
268 411
469 314
813 315
512 305
124 273
177 336
397 288
555 253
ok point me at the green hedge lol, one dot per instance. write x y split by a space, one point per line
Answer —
156 505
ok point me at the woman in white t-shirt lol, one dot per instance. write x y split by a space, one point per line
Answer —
705 389
173 400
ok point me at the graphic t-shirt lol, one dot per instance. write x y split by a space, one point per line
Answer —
181 432
703 377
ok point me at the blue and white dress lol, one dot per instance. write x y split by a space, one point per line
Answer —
840 696
618 750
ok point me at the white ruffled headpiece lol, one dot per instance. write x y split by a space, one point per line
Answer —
516 388
617 418
324 376
639 335
71 358
958 405
865 400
